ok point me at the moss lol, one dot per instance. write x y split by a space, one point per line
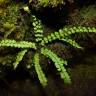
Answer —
85 17
88 15
51 2
8 18
4 1
12 22
45 3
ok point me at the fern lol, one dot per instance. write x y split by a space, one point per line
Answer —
72 42
37 28
39 71
64 33
58 63
19 57
13 43
40 47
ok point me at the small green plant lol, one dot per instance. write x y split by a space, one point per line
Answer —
45 3
40 48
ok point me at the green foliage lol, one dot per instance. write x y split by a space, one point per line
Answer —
19 57
4 1
8 18
45 3
64 35
12 21
20 44
72 42
58 63
88 15
41 75
40 48
38 30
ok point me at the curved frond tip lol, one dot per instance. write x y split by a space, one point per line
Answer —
72 42
19 57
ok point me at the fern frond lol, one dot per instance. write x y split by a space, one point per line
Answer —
19 44
41 75
79 29
58 63
50 38
72 42
19 57
38 30
62 34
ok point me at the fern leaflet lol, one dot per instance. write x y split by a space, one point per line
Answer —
19 57
58 63
39 71
20 44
